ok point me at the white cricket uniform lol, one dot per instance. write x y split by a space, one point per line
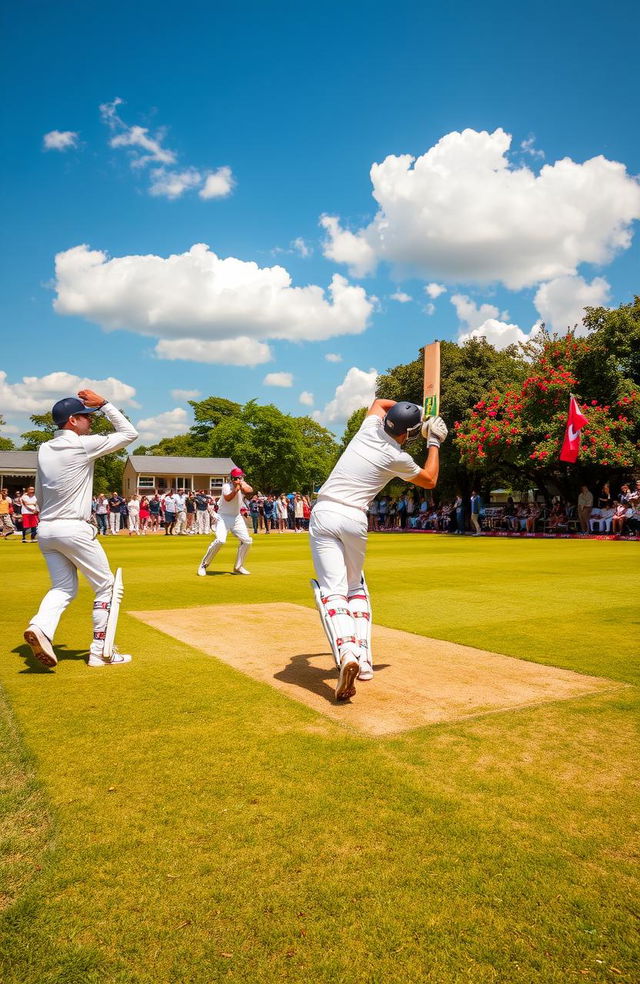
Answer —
64 485
229 518
338 526
229 521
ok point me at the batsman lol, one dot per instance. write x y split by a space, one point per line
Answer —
338 528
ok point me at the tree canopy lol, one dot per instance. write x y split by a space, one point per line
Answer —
277 451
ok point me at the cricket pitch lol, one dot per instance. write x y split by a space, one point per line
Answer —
418 681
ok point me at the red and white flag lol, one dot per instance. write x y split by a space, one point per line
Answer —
575 422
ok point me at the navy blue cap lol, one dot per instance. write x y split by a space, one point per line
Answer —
69 407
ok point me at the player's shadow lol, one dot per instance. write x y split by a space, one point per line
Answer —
32 665
302 672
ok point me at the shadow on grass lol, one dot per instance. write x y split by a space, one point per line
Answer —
300 672
32 665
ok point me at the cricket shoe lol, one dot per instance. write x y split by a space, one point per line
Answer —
366 669
349 669
40 646
117 659
202 571
241 570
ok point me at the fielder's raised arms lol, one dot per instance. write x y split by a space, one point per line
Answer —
432 380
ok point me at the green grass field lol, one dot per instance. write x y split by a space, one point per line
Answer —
176 821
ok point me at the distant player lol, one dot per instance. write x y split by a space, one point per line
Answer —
64 485
338 528
230 520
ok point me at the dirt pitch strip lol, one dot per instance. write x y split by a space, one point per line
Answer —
418 681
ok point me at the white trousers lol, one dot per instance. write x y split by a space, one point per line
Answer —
134 521
181 522
69 546
338 537
114 522
224 526
203 522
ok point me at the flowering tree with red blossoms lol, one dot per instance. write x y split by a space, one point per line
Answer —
515 436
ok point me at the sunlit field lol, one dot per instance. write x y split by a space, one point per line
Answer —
175 821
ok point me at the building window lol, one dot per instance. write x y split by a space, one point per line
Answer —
183 482
146 482
215 484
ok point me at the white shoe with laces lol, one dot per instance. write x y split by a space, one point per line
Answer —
202 571
117 659
366 669
241 570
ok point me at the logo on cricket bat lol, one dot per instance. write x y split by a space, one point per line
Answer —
431 389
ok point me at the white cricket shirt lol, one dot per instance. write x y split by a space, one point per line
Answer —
64 481
372 459
233 506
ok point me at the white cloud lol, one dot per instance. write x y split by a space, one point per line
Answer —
301 247
203 307
472 314
333 357
430 308
179 394
401 297
38 394
561 302
136 138
60 140
218 184
435 290
347 247
167 424
145 148
278 379
528 146
358 389
306 398
498 333
464 212
297 245
173 184
240 351
481 321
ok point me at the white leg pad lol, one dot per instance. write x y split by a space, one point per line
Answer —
212 550
112 619
360 608
243 550
337 621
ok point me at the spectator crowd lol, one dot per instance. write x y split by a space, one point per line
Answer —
608 514
181 513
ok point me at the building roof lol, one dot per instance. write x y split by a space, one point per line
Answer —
15 462
159 464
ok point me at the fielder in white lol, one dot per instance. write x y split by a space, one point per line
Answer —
64 485
230 521
338 527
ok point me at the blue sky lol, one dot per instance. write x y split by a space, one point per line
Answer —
241 128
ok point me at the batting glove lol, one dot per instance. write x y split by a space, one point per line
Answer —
434 431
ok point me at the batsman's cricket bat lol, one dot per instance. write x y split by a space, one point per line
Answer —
432 380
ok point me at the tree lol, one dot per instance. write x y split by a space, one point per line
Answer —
515 435
354 424
209 413
616 338
6 444
31 440
467 372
